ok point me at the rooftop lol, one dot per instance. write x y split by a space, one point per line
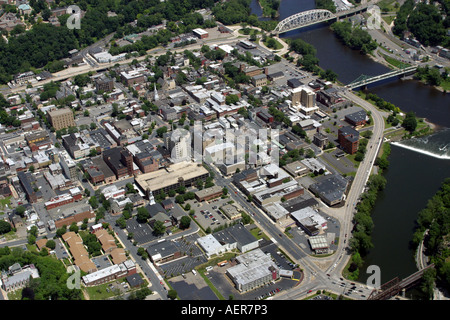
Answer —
169 176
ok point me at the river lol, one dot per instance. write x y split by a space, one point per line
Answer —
409 183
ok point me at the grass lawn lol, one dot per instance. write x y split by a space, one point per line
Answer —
277 46
351 157
258 234
15 295
388 4
394 62
446 84
388 19
100 293
5 202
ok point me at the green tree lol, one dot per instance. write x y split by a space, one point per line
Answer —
172 294
20 210
93 201
5 227
159 228
50 244
185 222
410 122
142 215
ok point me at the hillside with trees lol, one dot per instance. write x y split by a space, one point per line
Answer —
44 43
435 218
427 22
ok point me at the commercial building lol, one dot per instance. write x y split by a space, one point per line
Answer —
331 189
254 269
284 191
178 144
117 271
208 193
73 195
132 77
357 118
164 251
200 33
104 84
237 236
120 161
310 220
259 80
319 244
27 181
296 169
320 140
230 211
170 178
303 96
61 118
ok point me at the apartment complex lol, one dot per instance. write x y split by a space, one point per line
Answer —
61 118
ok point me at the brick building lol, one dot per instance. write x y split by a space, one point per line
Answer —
348 139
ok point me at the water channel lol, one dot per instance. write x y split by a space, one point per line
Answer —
409 183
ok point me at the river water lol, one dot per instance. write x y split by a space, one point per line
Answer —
417 167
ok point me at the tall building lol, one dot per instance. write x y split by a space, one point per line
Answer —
120 161
308 97
303 96
61 118
155 93
104 84
178 144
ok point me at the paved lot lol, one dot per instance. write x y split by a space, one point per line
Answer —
142 232
342 164
45 188
194 257
102 262
192 287
218 219
281 261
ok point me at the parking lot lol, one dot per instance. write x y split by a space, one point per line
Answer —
192 287
102 262
207 213
342 164
193 257
142 232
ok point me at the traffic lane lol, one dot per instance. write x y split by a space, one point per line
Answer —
156 284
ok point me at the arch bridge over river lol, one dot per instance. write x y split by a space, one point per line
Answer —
311 17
